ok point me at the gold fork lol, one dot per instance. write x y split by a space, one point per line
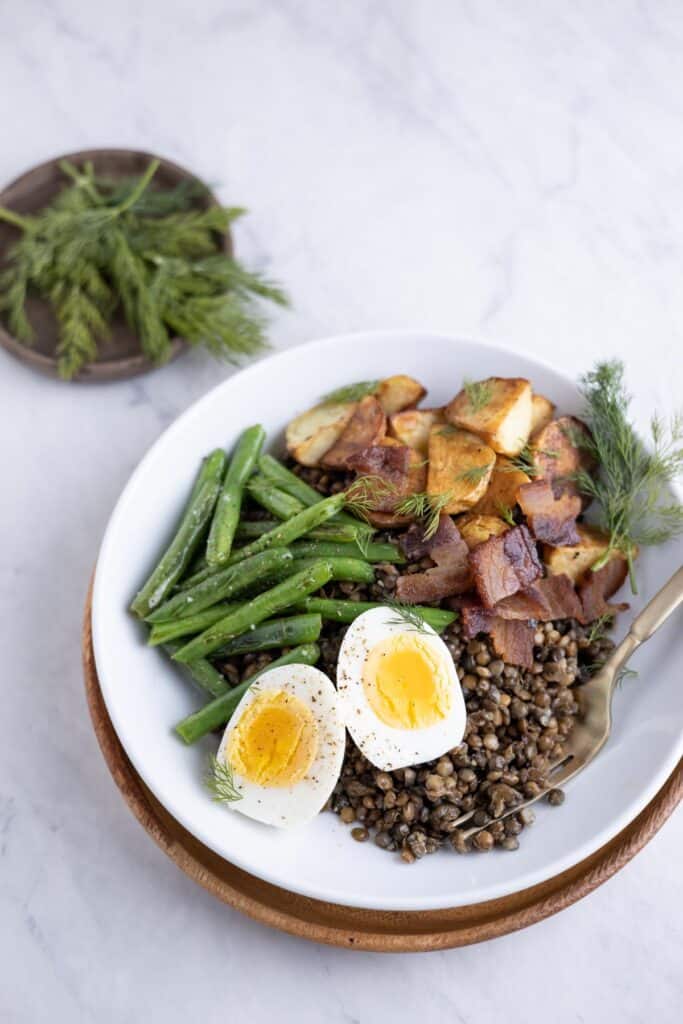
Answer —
594 725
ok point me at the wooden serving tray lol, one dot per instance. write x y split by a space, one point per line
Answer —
377 930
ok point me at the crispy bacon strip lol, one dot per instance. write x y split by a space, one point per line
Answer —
450 575
550 511
596 587
367 426
545 600
513 640
503 565
399 468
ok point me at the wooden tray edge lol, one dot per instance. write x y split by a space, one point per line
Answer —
331 924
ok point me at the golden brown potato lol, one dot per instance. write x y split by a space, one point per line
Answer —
367 426
499 412
412 427
542 410
554 452
313 433
460 464
399 392
475 529
502 490
576 559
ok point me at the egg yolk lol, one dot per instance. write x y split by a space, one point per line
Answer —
275 741
406 682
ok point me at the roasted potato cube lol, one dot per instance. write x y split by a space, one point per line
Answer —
502 490
542 410
555 452
367 426
460 464
412 427
475 529
576 559
500 413
399 392
313 433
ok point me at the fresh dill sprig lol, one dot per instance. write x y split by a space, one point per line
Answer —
625 673
100 245
525 461
351 392
365 493
599 627
220 782
407 615
631 485
425 507
474 474
505 513
479 393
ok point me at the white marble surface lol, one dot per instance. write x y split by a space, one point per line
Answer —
508 171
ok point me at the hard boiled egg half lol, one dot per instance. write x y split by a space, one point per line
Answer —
284 746
399 692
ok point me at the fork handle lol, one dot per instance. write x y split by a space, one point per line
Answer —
648 622
658 609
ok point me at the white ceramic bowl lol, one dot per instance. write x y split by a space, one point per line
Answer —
146 696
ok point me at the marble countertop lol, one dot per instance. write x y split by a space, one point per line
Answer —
511 172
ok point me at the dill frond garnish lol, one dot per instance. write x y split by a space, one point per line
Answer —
525 461
505 513
351 392
425 507
407 615
220 782
365 493
631 484
479 393
599 627
474 474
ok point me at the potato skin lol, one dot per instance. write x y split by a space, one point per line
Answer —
575 560
412 426
310 435
452 452
399 392
475 529
555 454
502 490
542 410
504 421
367 426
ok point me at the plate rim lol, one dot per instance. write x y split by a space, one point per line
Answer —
319 345
348 927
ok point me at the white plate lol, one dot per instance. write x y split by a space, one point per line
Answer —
146 696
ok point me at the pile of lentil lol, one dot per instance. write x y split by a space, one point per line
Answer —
517 723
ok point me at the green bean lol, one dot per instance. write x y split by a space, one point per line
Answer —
191 624
347 611
287 632
188 535
344 570
227 514
203 673
275 501
341 533
294 528
219 711
372 552
227 582
265 606
298 488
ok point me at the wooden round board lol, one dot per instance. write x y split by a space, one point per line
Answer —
119 356
380 931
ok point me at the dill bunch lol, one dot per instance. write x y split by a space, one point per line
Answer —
103 246
632 483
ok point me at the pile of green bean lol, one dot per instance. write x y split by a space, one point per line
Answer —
227 586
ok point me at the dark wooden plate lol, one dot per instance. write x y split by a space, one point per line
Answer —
119 356
381 931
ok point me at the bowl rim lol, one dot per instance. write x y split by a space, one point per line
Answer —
319 346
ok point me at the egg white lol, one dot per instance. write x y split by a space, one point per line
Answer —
386 747
284 806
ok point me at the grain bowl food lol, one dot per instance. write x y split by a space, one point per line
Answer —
436 565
